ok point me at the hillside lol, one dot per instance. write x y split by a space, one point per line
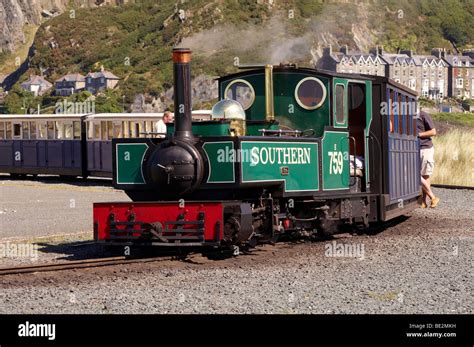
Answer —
135 40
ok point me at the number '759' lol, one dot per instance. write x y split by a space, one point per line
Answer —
335 165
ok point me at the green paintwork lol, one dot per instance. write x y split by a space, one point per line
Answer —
287 110
221 169
344 82
219 128
253 129
129 162
205 128
368 121
335 159
301 176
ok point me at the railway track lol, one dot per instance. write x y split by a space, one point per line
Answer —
78 264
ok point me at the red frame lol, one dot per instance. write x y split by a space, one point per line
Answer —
151 212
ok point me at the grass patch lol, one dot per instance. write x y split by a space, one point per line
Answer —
454 158
455 118
8 61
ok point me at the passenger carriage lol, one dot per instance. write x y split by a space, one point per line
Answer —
43 144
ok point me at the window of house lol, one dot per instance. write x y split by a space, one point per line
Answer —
2 130
310 93
32 130
102 80
8 130
459 83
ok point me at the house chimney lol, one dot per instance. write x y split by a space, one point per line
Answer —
408 52
436 52
101 68
344 50
327 50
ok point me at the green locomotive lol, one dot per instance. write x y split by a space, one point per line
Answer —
288 151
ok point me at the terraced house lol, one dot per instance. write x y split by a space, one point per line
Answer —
352 62
460 73
427 74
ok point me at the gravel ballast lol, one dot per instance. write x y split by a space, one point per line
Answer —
422 264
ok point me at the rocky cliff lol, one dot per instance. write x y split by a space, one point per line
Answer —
14 14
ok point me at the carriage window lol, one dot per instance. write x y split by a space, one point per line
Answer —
133 129
33 130
126 129
68 131
241 91
400 115
340 103
149 126
90 130
406 110
42 130
2 130
96 130
17 130
310 93
117 129
26 130
50 128
110 130
141 129
392 114
59 130
103 128
76 130
8 129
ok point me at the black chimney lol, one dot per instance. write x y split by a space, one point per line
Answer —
182 93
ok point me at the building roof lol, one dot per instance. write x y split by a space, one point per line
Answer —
356 56
106 74
451 60
73 77
37 80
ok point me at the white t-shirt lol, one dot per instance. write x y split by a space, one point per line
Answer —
160 127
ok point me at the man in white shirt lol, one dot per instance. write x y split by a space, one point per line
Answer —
160 126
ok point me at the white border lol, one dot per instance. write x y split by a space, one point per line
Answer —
322 99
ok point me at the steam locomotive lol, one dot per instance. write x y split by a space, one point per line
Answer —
289 151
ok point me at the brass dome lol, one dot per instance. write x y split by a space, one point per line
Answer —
228 109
